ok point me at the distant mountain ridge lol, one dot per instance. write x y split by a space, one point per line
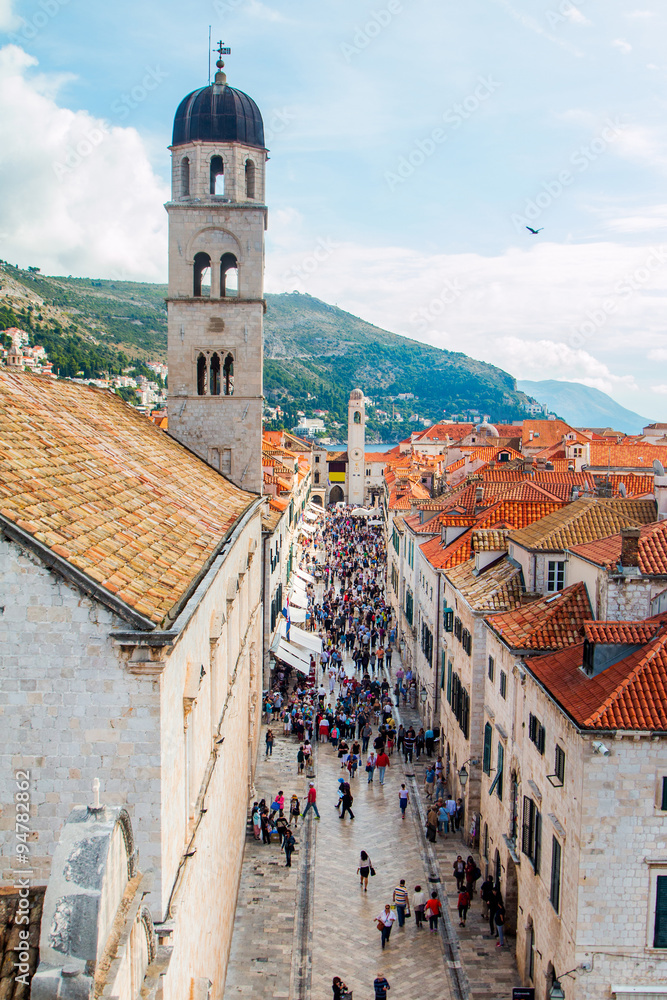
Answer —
315 353
582 406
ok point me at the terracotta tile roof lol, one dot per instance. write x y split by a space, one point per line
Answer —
652 550
99 484
627 456
489 540
551 623
630 695
375 456
545 433
497 588
623 633
583 521
438 432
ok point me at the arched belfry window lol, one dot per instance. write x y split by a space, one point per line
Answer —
229 276
201 375
215 375
249 179
228 375
357 417
217 175
185 177
202 275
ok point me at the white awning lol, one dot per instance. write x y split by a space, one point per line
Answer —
307 528
303 575
297 614
285 651
296 600
307 640
310 514
316 509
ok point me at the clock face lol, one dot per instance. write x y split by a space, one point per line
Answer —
356 454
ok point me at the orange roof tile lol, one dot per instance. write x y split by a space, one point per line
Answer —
583 521
652 550
615 633
630 695
627 456
375 456
99 484
497 587
550 623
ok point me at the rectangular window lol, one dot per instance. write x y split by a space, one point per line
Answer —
448 620
442 671
532 832
466 641
488 737
503 684
536 732
660 928
449 682
664 794
559 764
555 577
409 605
458 628
497 783
395 539
556 852
459 700
492 669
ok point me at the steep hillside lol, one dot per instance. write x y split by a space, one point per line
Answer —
582 406
315 353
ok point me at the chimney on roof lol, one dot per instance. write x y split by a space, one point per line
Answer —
630 548
529 597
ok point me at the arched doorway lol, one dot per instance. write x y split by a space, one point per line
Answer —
316 499
336 495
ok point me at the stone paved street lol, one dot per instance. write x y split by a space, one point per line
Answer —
344 939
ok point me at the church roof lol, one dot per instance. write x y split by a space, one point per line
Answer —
218 113
103 488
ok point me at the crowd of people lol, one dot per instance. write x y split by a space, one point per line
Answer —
348 703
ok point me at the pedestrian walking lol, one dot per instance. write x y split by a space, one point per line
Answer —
269 742
402 901
432 911
418 904
432 824
347 801
486 894
450 806
301 759
385 921
383 763
312 801
370 766
464 903
294 810
500 922
380 985
494 899
429 781
256 823
459 869
364 869
340 990
403 799
289 843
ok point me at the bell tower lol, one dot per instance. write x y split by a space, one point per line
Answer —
215 302
356 447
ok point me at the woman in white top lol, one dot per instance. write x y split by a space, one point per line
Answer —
418 904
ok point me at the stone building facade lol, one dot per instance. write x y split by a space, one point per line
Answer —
131 651
217 219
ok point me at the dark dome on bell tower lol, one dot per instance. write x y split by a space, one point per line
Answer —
218 113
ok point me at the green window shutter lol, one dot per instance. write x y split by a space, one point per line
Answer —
499 775
488 736
664 794
660 932
556 852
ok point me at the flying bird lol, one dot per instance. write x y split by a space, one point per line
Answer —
534 231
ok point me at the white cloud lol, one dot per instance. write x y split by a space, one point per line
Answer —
8 19
620 43
660 389
84 198
659 354
574 14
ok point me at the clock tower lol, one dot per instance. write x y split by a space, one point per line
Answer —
356 447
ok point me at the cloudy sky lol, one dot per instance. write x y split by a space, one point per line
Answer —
411 143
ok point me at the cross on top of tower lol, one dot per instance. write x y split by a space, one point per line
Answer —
222 50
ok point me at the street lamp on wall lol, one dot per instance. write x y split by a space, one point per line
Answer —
423 695
463 774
